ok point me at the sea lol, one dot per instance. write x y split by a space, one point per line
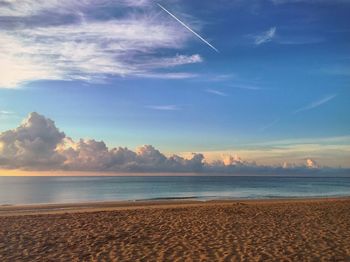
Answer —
48 190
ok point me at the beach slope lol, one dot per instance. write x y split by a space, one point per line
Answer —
278 230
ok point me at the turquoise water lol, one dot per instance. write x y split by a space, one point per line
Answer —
30 190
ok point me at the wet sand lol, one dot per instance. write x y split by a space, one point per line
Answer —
264 230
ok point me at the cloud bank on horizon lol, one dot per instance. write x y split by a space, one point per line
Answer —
37 144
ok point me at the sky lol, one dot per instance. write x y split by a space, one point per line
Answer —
259 82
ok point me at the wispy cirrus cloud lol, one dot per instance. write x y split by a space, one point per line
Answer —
246 86
217 77
34 7
269 125
310 106
299 40
286 36
265 37
216 92
316 103
79 46
162 75
4 114
164 107
337 70
172 61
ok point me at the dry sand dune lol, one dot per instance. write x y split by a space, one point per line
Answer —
317 230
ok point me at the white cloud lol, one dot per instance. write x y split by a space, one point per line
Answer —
268 125
246 86
266 36
216 92
230 160
6 113
219 78
89 49
85 155
164 107
179 75
172 61
310 163
32 144
316 103
17 65
37 144
329 151
22 8
91 155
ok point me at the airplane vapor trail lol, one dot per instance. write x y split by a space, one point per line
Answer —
188 28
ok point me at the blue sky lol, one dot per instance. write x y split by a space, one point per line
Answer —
128 73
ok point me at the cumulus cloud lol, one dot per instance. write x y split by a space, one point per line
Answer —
310 163
32 144
229 160
37 144
64 40
85 155
265 37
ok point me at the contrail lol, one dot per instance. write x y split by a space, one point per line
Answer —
188 28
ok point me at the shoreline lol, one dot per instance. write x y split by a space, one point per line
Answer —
101 206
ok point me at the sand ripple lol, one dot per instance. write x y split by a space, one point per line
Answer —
269 231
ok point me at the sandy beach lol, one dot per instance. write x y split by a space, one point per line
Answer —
271 230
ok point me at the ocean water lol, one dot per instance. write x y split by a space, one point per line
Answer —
32 190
